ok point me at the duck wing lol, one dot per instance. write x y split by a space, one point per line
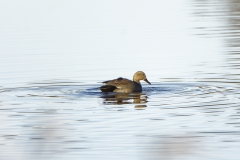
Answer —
119 83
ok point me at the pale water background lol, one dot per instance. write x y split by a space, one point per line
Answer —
53 53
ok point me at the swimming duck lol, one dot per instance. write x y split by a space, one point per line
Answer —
124 85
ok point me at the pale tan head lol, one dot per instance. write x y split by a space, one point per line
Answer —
140 75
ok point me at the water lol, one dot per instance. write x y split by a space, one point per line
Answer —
53 54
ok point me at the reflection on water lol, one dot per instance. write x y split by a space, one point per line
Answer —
175 146
123 98
221 21
166 121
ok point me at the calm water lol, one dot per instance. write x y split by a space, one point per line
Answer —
53 54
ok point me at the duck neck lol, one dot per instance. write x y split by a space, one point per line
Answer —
136 80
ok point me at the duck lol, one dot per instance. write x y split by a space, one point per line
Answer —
124 85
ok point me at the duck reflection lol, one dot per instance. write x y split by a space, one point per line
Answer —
125 98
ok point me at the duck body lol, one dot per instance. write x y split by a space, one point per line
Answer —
123 85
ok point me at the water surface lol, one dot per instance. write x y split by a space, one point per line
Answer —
53 54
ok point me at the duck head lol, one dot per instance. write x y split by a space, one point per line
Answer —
140 75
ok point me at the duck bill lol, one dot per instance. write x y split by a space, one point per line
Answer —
147 81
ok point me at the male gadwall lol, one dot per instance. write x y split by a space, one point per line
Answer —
125 85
